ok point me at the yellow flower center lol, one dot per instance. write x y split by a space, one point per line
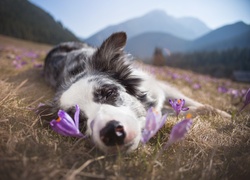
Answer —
188 116
58 119
179 101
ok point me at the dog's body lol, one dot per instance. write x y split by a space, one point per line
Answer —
112 95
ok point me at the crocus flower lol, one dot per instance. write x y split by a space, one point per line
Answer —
222 89
234 92
18 63
154 121
196 86
177 105
179 131
247 100
65 125
38 65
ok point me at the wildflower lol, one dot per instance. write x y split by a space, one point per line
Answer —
37 65
179 131
234 92
177 105
247 100
188 79
154 121
65 125
196 86
222 89
18 62
31 54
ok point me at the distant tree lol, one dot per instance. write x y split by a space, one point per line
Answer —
158 59
220 64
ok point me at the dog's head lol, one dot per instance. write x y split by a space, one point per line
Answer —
109 96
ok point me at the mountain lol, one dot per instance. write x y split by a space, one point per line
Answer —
143 45
155 21
229 36
21 19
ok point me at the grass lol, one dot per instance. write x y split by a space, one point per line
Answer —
215 147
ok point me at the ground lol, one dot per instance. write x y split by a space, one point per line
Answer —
215 147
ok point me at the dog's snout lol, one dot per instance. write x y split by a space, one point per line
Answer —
113 134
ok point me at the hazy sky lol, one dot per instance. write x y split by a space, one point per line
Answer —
86 17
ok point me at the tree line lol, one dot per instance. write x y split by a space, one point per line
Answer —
219 64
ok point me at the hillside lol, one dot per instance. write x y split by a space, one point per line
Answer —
215 147
225 37
155 21
231 36
21 19
143 45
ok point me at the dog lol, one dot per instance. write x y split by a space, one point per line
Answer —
112 94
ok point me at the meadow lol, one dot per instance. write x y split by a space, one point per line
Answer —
215 147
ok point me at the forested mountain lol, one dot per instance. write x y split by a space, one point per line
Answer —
21 19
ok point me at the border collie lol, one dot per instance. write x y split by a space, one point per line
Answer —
112 94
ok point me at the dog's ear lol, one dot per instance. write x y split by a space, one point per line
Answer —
109 57
113 45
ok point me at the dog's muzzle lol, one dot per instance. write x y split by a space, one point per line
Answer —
114 127
113 133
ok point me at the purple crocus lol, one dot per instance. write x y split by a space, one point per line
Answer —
177 105
247 100
154 121
222 89
179 131
65 125
196 86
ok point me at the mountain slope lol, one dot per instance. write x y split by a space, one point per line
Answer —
21 19
155 21
198 27
144 45
228 36
236 35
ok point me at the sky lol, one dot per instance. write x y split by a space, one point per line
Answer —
86 17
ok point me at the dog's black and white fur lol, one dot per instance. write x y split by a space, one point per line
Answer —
113 96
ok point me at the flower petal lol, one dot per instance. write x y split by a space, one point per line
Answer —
163 121
247 97
62 128
65 125
185 109
64 115
247 100
76 117
179 130
56 128
150 119
146 135
154 121
171 102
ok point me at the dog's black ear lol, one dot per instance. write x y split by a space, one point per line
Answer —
113 45
109 57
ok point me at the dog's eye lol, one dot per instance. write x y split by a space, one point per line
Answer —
109 93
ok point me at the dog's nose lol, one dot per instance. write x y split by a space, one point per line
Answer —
113 134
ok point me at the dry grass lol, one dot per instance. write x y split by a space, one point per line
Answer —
215 148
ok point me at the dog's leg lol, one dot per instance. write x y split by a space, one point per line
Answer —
194 106
161 92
